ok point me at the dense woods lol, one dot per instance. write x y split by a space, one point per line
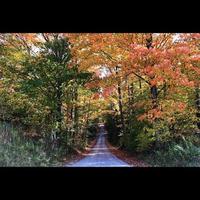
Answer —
56 87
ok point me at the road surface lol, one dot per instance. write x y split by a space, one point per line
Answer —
100 156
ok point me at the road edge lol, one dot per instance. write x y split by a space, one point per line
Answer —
80 154
132 160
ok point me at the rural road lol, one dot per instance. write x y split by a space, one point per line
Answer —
100 156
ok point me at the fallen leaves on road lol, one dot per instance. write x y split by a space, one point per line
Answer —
127 157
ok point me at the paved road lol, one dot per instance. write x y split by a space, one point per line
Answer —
100 156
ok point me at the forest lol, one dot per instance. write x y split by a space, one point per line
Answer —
56 88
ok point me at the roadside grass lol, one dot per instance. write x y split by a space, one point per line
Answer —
182 154
17 151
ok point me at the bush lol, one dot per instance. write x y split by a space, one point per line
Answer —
92 130
113 129
179 154
15 150
137 137
145 139
155 135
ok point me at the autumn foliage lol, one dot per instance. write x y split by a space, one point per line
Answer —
144 86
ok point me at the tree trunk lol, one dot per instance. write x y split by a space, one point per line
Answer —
130 98
59 109
76 109
131 102
154 95
153 89
86 123
120 106
140 83
120 103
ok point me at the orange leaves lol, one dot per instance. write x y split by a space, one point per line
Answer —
96 96
153 82
195 35
142 52
157 81
183 50
160 79
156 113
27 38
195 58
139 50
196 69
151 115
185 82
142 117
157 54
190 36
31 37
175 107
181 106
149 71
92 84
167 111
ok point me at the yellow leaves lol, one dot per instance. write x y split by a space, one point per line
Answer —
139 104
151 115
170 107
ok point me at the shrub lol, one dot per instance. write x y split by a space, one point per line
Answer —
179 154
15 150
113 129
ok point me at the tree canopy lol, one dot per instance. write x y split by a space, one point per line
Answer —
144 86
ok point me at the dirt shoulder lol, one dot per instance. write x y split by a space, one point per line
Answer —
131 159
78 155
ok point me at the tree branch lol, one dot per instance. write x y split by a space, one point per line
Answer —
45 37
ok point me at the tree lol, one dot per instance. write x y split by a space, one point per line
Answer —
49 75
146 82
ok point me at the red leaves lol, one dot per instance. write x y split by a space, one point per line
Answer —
142 117
91 84
195 58
96 96
159 80
139 50
164 113
107 91
185 82
153 82
149 71
183 50
181 106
